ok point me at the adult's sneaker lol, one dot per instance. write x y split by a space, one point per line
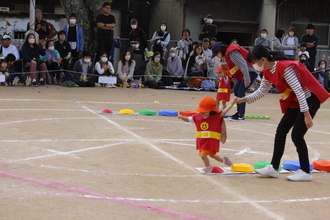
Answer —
236 118
34 83
42 82
55 81
28 81
227 162
268 171
15 81
300 175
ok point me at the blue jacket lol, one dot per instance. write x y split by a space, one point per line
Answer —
80 36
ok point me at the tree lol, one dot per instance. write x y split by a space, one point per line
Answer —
86 11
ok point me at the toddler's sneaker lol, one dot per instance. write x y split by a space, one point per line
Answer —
268 171
49 81
300 175
206 170
28 81
15 81
55 80
227 162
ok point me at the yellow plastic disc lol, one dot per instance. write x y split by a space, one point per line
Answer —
126 111
242 167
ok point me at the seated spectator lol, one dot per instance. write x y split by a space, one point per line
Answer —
185 46
143 65
174 66
83 71
31 57
153 73
137 56
322 74
213 41
126 66
53 60
15 76
64 48
197 63
105 68
6 48
4 71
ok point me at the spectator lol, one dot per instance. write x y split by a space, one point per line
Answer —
196 63
311 40
162 40
6 48
40 26
75 37
153 74
31 57
15 76
4 71
185 46
106 24
208 29
277 42
234 42
126 67
105 68
208 57
143 65
116 44
83 71
53 60
64 49
137 56
303 47
322 74
213 41
137 32
262 39
304 60
174 66
292 41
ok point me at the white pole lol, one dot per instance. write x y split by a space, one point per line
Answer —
32 14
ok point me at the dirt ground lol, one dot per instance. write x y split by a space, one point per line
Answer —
61 159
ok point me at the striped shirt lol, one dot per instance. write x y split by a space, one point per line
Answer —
239 61
291 76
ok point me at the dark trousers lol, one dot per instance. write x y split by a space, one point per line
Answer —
89 83
294 119
154 85
311 62
20 75
239 91
53 69
103 45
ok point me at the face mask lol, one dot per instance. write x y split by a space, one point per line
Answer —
303 58
291 34
322 66
127 57
157 60
136 45
72 21
87 60
104 59
32 40
263 35
50 48
133 26
163 28
209 21
172 54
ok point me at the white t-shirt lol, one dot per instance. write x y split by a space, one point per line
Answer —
290 42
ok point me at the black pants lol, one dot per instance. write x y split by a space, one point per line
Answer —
54 69
103 45
311 61
294 119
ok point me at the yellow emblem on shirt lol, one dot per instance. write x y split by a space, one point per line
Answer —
285 94
204 126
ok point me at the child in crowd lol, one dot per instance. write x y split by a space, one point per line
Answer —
4 71
15 77
303 50
224 88
157 47
211 129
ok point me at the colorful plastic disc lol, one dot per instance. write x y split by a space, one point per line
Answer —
242 167
168 113
147 112
188 113
107 111
321 164
294 165
126 111
262 164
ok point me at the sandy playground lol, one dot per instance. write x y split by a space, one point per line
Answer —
61 159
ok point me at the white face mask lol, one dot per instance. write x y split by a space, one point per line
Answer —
104 59
172 54
209 21
127 57
51 48
157 60
87 60
303 58
291 34
133 26
136 45
322 66
263 35
163 28
32 40
72 21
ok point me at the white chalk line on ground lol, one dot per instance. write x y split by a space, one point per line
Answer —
266 211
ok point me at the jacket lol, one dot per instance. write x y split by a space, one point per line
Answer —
278 46
79 35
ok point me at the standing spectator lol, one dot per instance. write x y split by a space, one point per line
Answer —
31 57
53 60
322 74
262 39
292 41
75 37
137 56
137 32
40 26
64 48
185 46
208 29
126 66
116 44
105 68
106 24
174 66
154 71
83 71
312 40
163 40
277 42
